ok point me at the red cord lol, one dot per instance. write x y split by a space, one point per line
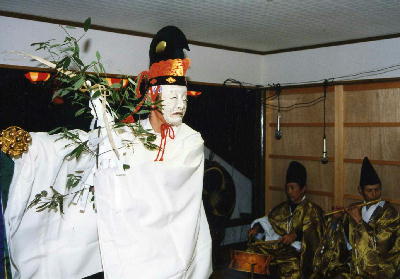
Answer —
166 130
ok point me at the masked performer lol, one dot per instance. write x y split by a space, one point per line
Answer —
149 220
297 225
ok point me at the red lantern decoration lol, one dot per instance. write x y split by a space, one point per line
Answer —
58 101
111 81
193 93
35 77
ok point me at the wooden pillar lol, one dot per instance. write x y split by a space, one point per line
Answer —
268 161
338 191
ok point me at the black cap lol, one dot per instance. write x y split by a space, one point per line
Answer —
168 43
297 173
368 174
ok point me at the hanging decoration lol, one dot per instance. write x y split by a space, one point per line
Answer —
35 77
193 93
122 81
278 132
324 157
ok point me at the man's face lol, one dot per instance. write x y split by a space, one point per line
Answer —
295 192
371 192
174 103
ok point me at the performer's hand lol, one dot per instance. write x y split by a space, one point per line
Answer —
251 233
354 213
254 231
288 238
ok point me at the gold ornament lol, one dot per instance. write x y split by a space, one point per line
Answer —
161 46
170 80
14 141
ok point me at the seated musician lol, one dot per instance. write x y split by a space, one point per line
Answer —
371 233
292 230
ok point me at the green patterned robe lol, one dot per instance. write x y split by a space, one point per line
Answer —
306 221
375 245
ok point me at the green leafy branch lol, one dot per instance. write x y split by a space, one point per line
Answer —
145 137
43 202
82 83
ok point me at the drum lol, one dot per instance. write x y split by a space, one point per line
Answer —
250 262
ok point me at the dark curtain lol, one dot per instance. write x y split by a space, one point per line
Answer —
29 105
230 122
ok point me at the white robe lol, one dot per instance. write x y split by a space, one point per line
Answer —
150 220
152 223
45 244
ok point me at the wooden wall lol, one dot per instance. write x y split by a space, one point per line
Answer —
363 119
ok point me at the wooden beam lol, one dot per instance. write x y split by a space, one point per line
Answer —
268 162
372 124
331 124
372 86
303 124
300 158
339 147
303 90
311 192
375 162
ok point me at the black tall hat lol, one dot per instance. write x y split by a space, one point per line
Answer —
368 174
297 173
168 43
168 64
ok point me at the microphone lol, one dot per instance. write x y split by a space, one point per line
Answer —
278 132
324 158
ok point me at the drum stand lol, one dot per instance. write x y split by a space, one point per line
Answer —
252 271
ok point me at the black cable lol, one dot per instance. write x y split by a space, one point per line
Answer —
358 75
280 108
296 105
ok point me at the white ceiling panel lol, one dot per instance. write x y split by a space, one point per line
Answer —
259 25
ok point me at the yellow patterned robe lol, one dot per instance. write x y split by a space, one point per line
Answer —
306 220
375 245
332 256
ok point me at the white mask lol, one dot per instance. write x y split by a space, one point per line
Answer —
174 103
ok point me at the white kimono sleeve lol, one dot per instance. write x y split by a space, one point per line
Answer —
48 245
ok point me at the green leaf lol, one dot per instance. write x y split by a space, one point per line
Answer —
42 207
130 107
76 152
64 91
78 84
67 62
115 95
96 94
86 24
79 112
55 131
143 111
126 167
69 27
102 69
76 49
67 49
151 138
98 55
79 61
